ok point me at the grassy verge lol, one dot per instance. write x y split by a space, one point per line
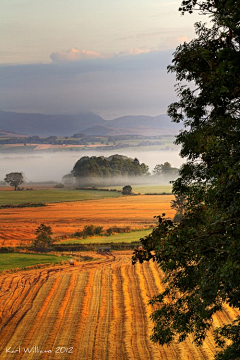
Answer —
52 196
20 260
117 238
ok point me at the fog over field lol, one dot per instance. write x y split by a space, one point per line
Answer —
53 166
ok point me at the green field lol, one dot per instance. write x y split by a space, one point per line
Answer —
147 188
152 188
52 196
118 238
20 260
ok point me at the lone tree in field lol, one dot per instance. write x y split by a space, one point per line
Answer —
43 238
127 190
14 179
200 256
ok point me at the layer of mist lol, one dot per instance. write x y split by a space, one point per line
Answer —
53 166
120 181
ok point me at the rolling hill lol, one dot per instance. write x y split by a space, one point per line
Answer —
88 123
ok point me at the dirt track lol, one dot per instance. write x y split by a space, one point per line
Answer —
97 310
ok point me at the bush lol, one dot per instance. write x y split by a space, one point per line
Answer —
91 230
4 249
127 190
43 238
88 230
59 186
98 230
78 234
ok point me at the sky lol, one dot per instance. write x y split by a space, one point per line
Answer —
109 57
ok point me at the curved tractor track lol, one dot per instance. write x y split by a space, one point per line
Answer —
96 310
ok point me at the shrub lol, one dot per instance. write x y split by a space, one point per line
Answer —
59 186
127 190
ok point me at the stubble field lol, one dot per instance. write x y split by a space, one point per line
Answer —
96 310
18 225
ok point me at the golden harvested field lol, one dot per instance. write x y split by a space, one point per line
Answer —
18 225
94 311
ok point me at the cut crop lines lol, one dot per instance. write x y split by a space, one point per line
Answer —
118 317
62 331
149 289
100 309
73 315
91 315
86 334
136 324
29 328
50 316
17 302
105 306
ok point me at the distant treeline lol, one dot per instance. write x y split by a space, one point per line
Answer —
11 206
94 247
52 140
82 139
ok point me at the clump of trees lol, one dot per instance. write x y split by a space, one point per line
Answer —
165 171
91 230
200 255
14 179
106 167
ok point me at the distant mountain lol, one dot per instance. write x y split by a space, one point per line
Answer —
46 125
136 125
10 134
88 123
135 121
156 122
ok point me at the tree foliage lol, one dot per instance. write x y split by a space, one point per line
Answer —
43 238
178 204
113 166
200 256
127 190
14 179
165 171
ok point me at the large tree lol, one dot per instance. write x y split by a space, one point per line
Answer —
165 171
200 256
14 179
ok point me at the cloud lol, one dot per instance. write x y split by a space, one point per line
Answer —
118 85
135 51
75 54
